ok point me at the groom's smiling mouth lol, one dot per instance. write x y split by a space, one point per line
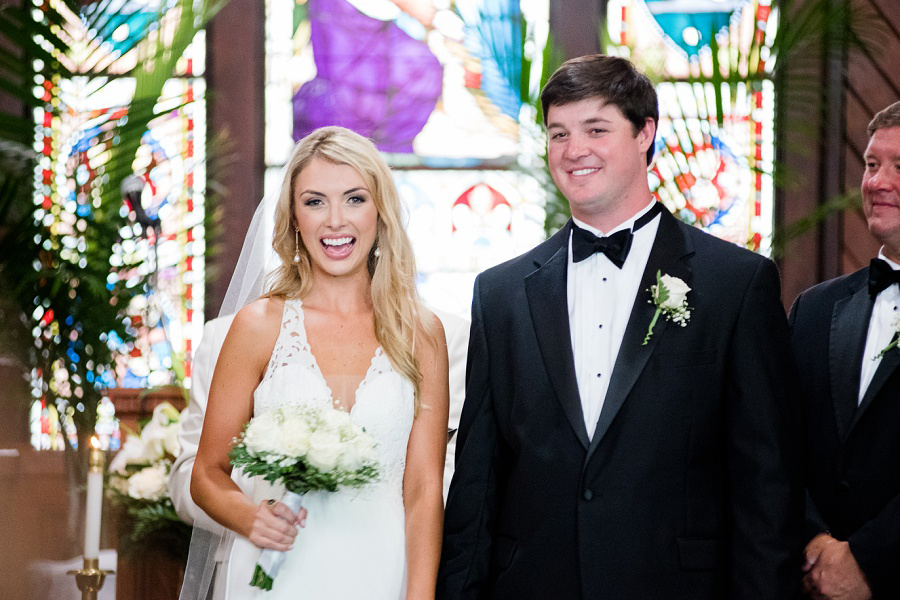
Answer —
338 247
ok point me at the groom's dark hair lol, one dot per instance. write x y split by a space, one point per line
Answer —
612 79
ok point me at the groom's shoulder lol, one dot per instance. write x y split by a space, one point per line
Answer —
709 246
725 261
519 267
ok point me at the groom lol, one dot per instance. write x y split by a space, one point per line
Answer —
600 459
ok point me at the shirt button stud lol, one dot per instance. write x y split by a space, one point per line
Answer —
588 495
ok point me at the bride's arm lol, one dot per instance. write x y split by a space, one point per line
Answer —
240 367
423 479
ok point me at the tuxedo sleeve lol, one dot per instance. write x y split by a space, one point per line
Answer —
765 436
814 522
876 548
472 503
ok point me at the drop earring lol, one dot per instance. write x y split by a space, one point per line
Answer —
296 246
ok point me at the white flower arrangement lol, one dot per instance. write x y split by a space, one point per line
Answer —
305 449
670 297
139 482
895 339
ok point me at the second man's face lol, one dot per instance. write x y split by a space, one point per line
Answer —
595 158
881 189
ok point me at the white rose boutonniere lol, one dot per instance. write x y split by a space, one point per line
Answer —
670 297
894 340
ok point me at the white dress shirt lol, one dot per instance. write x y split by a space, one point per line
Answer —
881 329
600 298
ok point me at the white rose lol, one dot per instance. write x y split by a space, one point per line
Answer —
324 450
357 453
154 437
264 434
677 289
295 436
334 419
151 483
131 453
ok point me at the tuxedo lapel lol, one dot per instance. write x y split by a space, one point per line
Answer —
889 363
545 289
849 327
668 249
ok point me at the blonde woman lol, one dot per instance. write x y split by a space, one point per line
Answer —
341 324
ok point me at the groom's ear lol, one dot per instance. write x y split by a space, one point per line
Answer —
647 133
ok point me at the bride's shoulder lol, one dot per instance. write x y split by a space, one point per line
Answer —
432 330
259 318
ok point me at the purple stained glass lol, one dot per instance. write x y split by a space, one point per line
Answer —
371 77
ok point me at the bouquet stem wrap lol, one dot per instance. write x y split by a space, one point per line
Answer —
270 561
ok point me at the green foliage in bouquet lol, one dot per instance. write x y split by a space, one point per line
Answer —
300 478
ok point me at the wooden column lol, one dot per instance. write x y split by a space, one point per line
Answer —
235 75
575 25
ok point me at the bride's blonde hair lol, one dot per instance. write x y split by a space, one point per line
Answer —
398 312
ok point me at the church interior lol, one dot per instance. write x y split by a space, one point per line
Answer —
137 138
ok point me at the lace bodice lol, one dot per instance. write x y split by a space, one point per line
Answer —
384 399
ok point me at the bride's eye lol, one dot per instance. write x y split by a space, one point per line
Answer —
312 202
356 199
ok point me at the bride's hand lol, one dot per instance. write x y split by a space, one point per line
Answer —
275 526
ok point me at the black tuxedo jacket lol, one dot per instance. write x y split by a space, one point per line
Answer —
852 448
690 487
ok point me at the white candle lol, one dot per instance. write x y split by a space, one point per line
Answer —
94 502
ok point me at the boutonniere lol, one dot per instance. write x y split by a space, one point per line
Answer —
895 339
670 297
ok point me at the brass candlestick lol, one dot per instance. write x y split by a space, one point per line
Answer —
90 579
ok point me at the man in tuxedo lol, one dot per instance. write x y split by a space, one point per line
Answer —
851 387
598 459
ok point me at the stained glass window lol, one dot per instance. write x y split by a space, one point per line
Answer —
436 84
714 173
71 135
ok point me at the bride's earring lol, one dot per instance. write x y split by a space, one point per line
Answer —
377 252
296 246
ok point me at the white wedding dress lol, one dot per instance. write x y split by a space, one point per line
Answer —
354 542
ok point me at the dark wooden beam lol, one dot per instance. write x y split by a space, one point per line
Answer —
235 74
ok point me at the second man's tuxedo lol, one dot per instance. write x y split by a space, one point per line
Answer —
853 444
689 487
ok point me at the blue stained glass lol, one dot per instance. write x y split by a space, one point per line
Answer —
703 17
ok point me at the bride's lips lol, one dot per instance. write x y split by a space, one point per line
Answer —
338 247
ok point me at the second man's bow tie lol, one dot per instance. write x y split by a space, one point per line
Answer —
881 277
615 246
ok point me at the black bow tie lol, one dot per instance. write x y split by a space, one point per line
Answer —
615 246
881 277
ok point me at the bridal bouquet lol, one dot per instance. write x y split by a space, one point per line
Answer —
305 449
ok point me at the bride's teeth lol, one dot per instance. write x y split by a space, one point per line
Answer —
337 241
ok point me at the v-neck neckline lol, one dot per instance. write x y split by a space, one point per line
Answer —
318 370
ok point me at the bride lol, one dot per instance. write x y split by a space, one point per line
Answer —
340 323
